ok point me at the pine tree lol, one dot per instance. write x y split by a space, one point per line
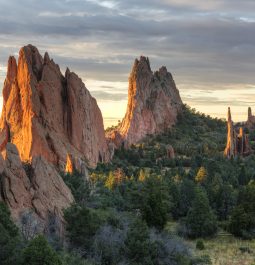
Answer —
138 244
39 252
82 225
9 237
155 205
200 221
242 222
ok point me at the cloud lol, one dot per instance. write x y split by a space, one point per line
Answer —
105 96
207 45
67 14
3 70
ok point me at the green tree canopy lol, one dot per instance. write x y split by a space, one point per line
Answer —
155 203
137 243
39 252
242 222
200 221
9 237
82 224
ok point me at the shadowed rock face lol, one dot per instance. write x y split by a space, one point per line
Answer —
48 114
237 142
153 104
35 187
250 123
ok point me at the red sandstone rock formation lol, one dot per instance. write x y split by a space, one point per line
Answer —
39 188
243 144
48 114
153 104
237 143
251 119
230 150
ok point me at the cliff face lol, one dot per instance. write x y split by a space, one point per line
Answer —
153 104
32 188
237 142
48 114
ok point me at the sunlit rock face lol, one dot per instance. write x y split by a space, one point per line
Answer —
69 165
230 150
51 115
153 104
35 187
237 142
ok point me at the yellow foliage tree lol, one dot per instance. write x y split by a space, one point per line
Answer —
201 175
115 178
142 175
110 181
119 176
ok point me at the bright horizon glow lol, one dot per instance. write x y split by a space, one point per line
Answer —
114 111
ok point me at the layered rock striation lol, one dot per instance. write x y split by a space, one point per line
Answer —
49 114
237 142
153 104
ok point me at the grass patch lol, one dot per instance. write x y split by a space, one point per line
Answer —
224 249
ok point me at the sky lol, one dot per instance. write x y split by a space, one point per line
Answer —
208 46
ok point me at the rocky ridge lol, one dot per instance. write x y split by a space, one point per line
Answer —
49 114
153 104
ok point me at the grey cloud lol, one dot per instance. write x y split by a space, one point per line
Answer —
214 101
212 48
108 87
102 95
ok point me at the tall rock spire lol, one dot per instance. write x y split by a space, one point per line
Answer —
249 113
230 150
237 143
229 115
48 114
251 119
153 104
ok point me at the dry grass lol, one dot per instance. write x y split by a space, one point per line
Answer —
224 249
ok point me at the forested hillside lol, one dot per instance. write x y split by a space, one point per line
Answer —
143 190
149 206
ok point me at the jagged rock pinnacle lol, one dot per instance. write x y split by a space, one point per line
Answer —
153 104
251 119
237 143
229 115
48 114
